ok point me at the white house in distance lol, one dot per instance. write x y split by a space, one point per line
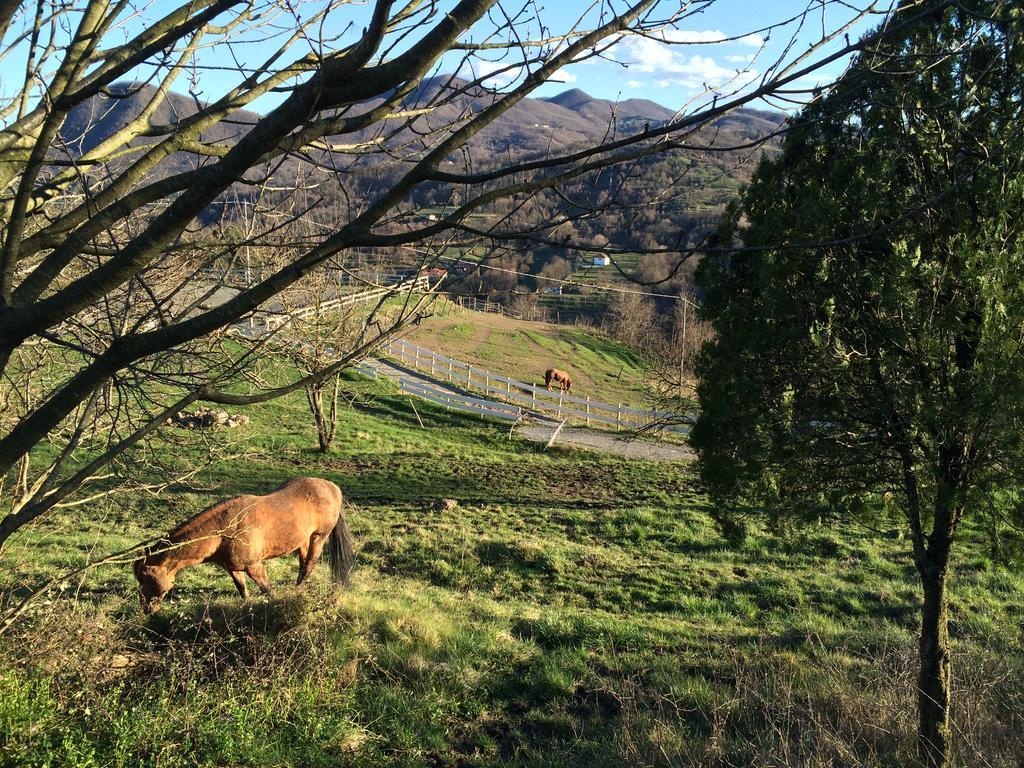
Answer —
602 261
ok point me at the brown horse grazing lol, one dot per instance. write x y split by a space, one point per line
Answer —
561 378
238 534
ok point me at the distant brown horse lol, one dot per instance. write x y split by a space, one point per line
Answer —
240 533
561 378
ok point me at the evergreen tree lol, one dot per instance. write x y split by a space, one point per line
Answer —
870 318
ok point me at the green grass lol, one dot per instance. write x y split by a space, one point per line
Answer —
573 609
601 368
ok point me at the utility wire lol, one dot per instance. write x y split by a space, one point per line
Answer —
562 281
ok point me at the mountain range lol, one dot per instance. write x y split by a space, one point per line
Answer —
534 126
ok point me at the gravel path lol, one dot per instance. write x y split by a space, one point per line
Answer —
609 442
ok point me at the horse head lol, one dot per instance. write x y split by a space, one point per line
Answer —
154 582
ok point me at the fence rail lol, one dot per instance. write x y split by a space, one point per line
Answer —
530 396
483 305
272 320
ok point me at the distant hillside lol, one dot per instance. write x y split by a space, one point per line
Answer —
610 207
94 121
104 115
535 125
581 103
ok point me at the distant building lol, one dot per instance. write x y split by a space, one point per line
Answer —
602 261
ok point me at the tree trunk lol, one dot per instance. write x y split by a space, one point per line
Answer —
326 423
936 671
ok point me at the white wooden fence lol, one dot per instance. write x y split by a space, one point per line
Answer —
482 305
581 410
270 320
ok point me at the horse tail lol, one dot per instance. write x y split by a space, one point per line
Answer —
340 555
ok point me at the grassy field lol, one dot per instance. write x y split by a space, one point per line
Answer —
601 368
570 610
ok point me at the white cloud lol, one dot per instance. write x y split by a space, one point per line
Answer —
673 66
493 73
634 84
743 59
692 36
564 76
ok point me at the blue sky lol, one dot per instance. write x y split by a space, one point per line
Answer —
724 45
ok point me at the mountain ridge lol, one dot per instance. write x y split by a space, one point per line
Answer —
551 123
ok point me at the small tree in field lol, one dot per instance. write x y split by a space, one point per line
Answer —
319 330
870 328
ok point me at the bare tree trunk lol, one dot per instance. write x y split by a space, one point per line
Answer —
935 676
332 426
326 423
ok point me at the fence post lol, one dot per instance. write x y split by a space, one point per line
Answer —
533 397
487 381
618 417
449 373
469 376
588 410
416 359
560 405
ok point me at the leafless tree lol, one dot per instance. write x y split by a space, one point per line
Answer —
113 285
326 319
557 269
672 381
632 319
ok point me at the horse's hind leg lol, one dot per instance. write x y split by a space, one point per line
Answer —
239 578
258 573
316 546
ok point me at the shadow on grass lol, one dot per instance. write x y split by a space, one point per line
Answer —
208 637
197 621
398 409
